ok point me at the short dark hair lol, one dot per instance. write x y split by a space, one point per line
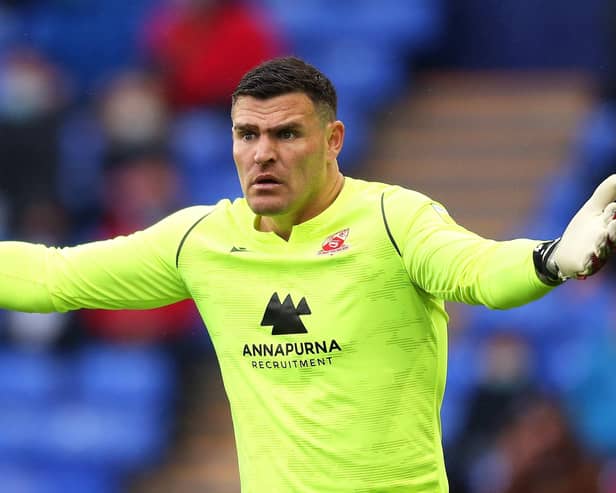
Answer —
287 75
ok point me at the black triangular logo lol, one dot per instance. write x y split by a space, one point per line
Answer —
284 317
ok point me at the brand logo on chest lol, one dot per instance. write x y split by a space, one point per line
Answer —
284 317
289 352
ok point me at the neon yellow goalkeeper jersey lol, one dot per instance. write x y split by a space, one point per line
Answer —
332 344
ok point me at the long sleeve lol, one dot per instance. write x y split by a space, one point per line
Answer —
454 264
136 271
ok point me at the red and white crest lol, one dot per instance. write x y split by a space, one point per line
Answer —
335 243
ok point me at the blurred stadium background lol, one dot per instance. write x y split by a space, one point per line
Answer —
114 113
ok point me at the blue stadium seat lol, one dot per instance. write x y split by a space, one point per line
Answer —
307 22
201 142
399 26
82 434
116 417
22 427
597 137
140 378
91 39
18 477
87 435
30 377
567 365
406 27
364 75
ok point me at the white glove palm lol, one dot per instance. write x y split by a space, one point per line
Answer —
589 238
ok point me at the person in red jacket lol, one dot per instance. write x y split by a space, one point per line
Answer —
201 48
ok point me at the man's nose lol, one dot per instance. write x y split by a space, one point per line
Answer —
265 151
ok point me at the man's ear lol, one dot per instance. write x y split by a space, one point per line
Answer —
335 137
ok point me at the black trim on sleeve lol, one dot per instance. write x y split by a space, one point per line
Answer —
177 255
391 238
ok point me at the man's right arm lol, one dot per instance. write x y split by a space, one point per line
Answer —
133 272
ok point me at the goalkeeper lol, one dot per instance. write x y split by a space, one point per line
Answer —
324 295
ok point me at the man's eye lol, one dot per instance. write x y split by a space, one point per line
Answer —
247 136
287 134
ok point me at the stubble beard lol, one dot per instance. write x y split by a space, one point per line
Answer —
270 206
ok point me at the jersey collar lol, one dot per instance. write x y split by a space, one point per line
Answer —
304 231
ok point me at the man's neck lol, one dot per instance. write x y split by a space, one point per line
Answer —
283 225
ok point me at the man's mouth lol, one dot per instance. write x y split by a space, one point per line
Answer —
264 182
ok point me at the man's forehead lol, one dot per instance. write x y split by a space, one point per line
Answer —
296 107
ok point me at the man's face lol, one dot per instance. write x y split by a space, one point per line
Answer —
285 154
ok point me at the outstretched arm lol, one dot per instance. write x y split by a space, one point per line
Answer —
452 263
136 271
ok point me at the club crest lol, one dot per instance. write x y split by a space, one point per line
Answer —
335 243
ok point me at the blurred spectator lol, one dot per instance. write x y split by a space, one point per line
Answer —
536 452
544 455
133 112
32 100
516 439
129 115
504 385
141 187
203 47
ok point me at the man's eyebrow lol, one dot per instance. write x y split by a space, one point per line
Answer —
292 124
243 127
289 124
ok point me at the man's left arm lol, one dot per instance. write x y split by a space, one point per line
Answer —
455 264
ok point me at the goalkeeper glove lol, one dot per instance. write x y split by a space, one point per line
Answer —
587 242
